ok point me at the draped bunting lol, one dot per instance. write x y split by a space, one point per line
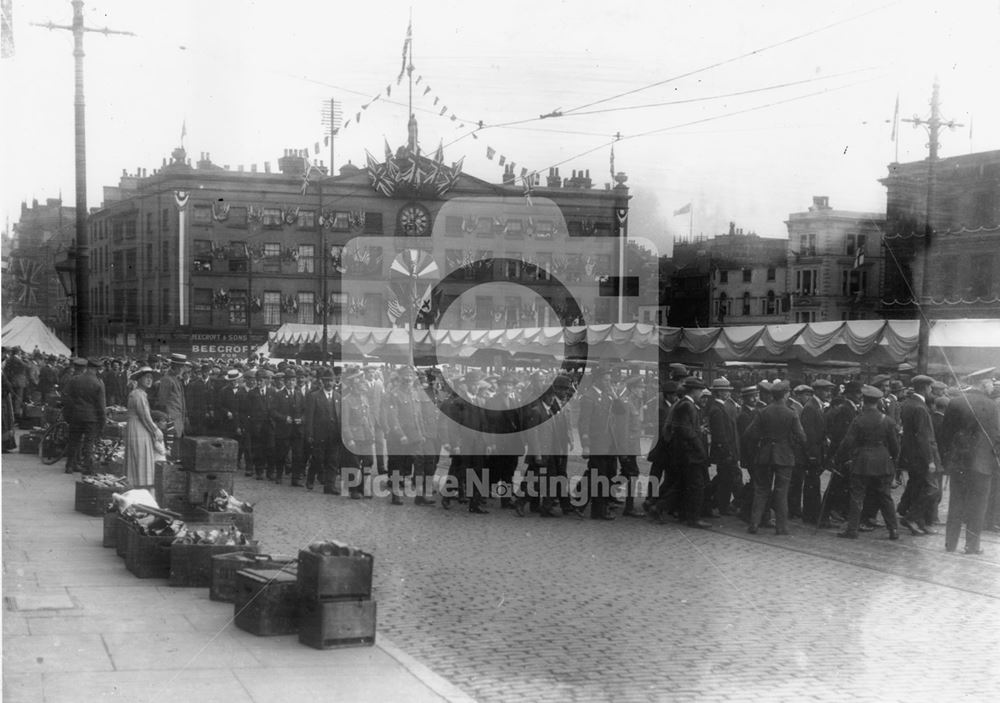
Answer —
878 342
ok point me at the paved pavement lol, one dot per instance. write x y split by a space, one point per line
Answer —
530 609
78 626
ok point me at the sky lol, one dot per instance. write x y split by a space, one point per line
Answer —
743 109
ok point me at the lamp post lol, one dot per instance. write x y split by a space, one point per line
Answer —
66 271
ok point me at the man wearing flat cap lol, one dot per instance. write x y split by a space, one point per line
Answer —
815 450
280 410
918 456
725 446
839 416
170 396
870 444
84 404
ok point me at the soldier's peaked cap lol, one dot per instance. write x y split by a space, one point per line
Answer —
871 392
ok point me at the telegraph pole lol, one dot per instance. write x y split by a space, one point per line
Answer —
933 125
82 308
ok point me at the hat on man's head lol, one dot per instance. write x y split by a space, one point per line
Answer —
748 390
139 372
779 386
508 379
938 386
179 360
95 363
852 387
265 373
473 376
562 381
921 380
233 375
80 361
880 379
251 374
693 383
821 384
678 371
765 386
803 388
721 384
324 373
206 367
871 392
670 387
895 385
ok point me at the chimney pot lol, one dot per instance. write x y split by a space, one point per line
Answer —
267 167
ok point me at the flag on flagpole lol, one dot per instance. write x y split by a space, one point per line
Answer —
612 162
184 131
895 118
683 211
406 47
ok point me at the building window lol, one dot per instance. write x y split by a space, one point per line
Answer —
238 261
771 273
769 304
272 257
484 227
723 276
807 245
805 316
271 217
307 308
807 281
237 216
131 264
512 310
306 262
165 306
514 228
484 312
513 270
544 229
747 275
149 258
853 282
237 307
164 256
307 219
149 223
746 303
201 306
130 228
201 259
374 308
165 218
202 215
148 312
272 307
341 222
373 223
544 265
722 310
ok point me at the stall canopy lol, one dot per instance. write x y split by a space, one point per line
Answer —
875 342
30 333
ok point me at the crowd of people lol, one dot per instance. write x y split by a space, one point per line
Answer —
511 436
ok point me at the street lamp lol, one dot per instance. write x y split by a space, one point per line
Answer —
66 271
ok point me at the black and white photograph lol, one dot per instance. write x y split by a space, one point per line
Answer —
457 352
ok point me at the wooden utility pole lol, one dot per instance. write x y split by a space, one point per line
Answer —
82 316
933 125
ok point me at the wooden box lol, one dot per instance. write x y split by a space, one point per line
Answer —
146 556
91 499
168 478
222 586
122 528
266 602
28 443
327 577
338 623
201 486
209 454
110 538
191 564
215 518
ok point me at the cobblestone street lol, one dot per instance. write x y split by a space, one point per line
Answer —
569 609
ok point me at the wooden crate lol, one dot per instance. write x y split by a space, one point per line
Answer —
91 499
338 623
243 521
328 577
122 527
223 580
209 454
29 443
200 487
146 556
169 477
191 564
267 602
111 520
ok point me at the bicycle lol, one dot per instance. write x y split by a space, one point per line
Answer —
52 448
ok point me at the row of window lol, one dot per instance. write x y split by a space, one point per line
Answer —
747 274
768 305
853 243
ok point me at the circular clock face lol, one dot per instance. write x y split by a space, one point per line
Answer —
414 220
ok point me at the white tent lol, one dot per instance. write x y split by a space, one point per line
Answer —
30 333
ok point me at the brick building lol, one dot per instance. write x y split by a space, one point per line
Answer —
964 265
204 260
834 263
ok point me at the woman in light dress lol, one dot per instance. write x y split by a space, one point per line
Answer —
141 433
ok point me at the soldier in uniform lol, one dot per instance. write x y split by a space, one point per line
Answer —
469 442
725 446
198 399
170 395
358 432
279 402
425 463
601 444
774 432
813 422
870 444
658 456
404 431
322 432
970 439
507 449
919 457
83 408
839 417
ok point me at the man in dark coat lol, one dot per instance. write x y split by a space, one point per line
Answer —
322 431
601 440
279 408
774 433
814 425
259 427
839 417
83 409
725 449
970 439
919 456
198 401
115 386
505 424
870 445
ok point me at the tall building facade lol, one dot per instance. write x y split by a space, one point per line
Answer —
732 279
834 263
206 261
960 196
40 238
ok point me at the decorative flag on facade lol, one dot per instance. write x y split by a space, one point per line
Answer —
503 159
683 211
444 109
419 78
427 90
490 153
181 197
436 98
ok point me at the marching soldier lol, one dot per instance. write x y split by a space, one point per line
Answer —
813 422
870 444
358 430
773 433
404 431
839 417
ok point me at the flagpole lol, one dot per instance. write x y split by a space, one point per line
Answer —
690 223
